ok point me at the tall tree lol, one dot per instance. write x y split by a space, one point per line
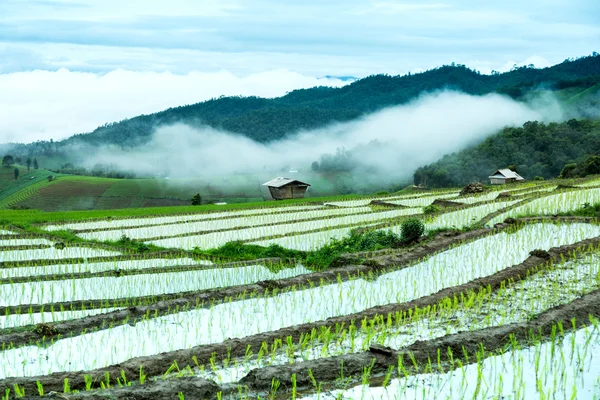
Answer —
35 164
196 200
28 164
16 173
8 160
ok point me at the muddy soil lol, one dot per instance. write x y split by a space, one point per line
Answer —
158 364
79 260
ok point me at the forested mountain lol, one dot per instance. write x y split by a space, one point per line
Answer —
536 149
266 120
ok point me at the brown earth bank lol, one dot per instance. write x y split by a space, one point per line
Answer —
383 203
25 247
157 364
129 255
446 203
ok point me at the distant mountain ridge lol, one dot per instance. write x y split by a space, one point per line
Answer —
266 120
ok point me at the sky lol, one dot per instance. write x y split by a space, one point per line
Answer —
68 66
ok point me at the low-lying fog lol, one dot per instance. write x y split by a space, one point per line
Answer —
389 144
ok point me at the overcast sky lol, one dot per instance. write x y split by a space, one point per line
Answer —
112 59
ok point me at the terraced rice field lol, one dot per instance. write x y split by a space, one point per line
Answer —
492 310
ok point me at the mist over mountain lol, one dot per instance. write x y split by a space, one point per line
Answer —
536 150
379 129
266 120
389 143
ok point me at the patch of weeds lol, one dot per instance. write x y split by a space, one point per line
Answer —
412 230
431 209
46 330
239 251
135 245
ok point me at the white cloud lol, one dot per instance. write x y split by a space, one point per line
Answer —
537 61
412 135
312 37
43 104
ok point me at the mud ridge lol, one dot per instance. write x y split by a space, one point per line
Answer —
157 364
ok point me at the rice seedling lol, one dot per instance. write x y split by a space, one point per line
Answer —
43 292
215 239
31 318
132 222
513 303
532 372
220 224
95 267
54 253
254 315
553 204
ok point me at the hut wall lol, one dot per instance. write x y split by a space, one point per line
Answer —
298 191
288 192
501 181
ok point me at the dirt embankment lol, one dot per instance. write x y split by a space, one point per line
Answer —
158 364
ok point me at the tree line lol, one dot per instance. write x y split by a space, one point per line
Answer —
533 150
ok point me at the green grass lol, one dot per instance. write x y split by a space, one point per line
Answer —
71 192
28 217
583 94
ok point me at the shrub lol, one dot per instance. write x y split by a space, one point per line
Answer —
412 230
538 178
430 209
133 244
196 200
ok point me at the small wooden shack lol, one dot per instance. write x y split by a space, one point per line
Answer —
286 188
503 176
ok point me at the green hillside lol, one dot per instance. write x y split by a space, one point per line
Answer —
70 192
12 191
536 149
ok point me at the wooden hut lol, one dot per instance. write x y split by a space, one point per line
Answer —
286 188
503 176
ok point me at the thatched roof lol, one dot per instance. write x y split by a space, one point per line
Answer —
280 182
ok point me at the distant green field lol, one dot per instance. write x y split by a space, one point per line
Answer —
13 191
33 216
587 94
69 192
